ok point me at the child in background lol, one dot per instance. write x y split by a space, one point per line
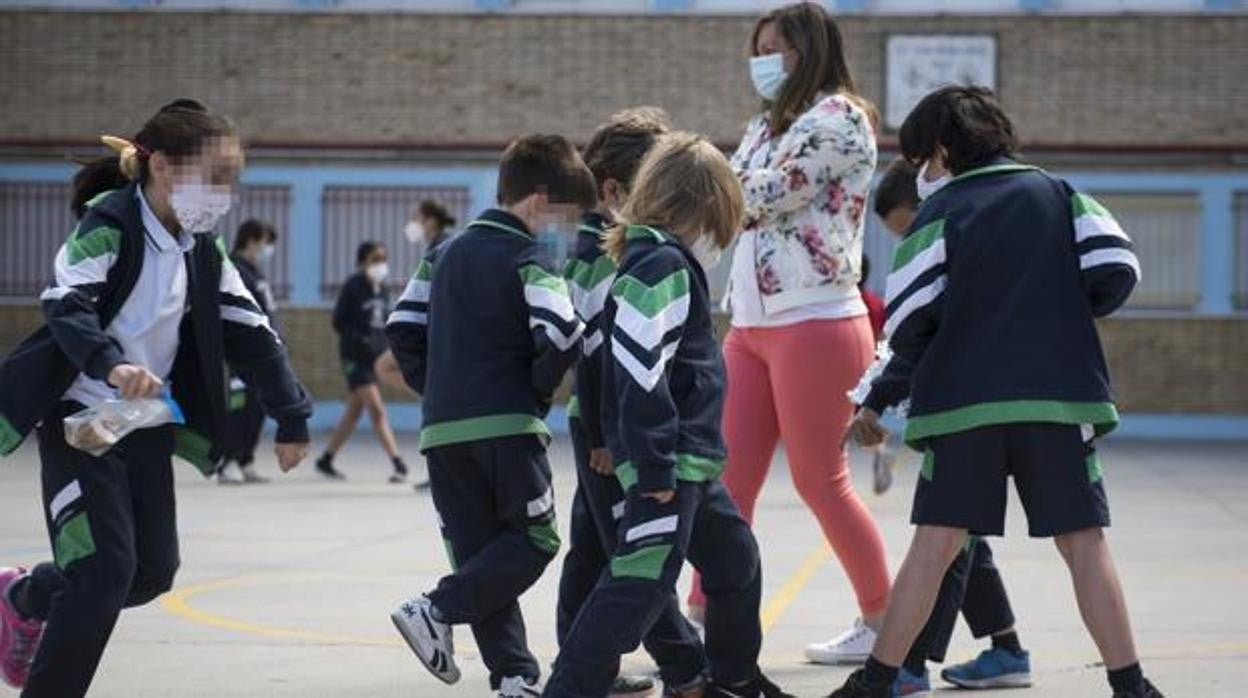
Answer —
143 299
613 155
973 583
663 396
999 389
488 358
883 461
360 320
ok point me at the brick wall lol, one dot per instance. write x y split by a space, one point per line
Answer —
1165 365
482 79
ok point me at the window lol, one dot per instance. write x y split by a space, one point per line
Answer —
270 204
1241 250
34 221
1165 229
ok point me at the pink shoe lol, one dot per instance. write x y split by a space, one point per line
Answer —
19 638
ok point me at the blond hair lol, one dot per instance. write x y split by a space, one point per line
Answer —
685 186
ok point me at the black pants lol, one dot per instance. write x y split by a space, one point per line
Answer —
701 523
973 586
597 508
112 525
244 422
496 509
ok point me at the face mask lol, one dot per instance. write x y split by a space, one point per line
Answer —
706 252
415 232
767 73
199 207
378 272
266 253
926 188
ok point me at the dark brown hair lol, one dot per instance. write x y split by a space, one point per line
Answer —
897 188
178 130
616 149
545 164
252 229
967 122
432 209
821 67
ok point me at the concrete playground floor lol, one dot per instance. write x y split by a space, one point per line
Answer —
285 588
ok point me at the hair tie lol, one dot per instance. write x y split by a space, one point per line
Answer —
130 155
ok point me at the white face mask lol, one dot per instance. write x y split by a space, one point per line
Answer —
378 272
767 73
926 188
266 253
415 232
199 206
706 252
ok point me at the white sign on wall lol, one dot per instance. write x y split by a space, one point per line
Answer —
916 64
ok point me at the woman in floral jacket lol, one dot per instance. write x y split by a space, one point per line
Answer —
800 335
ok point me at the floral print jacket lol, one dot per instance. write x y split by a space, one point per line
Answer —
805 195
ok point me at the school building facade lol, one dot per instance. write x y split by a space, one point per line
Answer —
354 111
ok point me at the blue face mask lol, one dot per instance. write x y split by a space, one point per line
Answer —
768 75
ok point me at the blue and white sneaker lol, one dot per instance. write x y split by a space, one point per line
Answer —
908 684
993 668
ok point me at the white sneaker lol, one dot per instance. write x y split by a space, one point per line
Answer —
429 639
517 687
850 647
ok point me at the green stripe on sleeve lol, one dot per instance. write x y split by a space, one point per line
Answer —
588 276
545 537
424 271
1084 205
652 300
10 439
535 275
646 563
480 428
94 243
574 407
916 242
1101 415
73 541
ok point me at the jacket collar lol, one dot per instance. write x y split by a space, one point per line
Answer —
594 223
502 221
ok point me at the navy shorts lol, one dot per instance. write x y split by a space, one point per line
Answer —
358 373
1056 471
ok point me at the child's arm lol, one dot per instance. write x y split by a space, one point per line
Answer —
818 147
81 269
590 283
553 324
346 318
914 298
254 351
652 306
1106 256
407 329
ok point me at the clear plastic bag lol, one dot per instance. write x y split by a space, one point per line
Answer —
97 429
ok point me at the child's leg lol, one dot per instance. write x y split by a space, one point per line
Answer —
583 563
497 510
632 592
915 589
1099 593
723 548
92 505
370 396
346 425
933 640
987 605
814 412
751 431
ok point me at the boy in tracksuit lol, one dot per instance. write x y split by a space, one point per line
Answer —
973 584
495 338
143 296
663 388
992 303
613 155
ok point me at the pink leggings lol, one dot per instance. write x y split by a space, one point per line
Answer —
790 383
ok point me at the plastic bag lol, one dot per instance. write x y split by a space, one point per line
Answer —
857 396
97 429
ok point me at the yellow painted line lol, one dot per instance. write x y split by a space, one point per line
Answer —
178 603
779 603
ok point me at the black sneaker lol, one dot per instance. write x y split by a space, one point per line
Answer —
759 687
1150 691
856 687
631 686
325 466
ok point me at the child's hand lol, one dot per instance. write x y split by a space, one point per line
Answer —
290 455
662 496
600 461
134 382
866 430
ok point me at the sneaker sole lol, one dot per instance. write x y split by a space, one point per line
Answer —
449 677
838 660
1004 681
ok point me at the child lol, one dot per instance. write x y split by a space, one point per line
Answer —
613 155
1012 379
488 357
143 296
663 393
254 245
972 584
360 320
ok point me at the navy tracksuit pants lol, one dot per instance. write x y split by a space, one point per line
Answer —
597 509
